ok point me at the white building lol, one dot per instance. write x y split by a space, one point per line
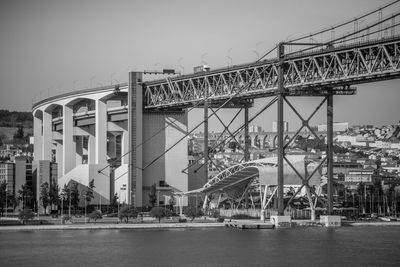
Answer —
337 127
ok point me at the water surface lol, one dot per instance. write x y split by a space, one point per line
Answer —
314 246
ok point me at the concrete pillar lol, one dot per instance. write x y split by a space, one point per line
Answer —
47 135
79 149
135 126
91 149
68 145
112 148
125 147
101 133
59 157
37 133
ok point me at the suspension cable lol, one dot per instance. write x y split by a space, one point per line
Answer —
343 23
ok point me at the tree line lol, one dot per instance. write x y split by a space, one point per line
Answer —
15 118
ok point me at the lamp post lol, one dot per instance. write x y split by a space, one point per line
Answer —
91 80
111 77
257 54
202 59
73 85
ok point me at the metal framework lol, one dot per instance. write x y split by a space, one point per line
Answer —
306 73
234 175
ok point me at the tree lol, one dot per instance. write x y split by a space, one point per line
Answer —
54 199
25 214
25 195
95 215
193 212
171 201
65 195
44 195
89 192
114 203
19 134
233 145
74 196
153 195
158 212
128 212
3 196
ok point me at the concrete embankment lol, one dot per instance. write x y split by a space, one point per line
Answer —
110 226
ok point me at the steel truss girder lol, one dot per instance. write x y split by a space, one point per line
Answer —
332 67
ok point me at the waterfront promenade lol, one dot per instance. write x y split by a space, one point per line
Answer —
171 225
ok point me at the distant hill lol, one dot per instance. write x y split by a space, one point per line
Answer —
15 118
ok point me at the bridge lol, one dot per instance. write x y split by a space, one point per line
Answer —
301 67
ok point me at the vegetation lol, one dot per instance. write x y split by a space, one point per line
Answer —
214 213
65 197
95 215
193 212
233 145
3 196
128 212
153 195
159 212
45 196
113 204
25 195
54 199
74 196
15 118
89 194
25 215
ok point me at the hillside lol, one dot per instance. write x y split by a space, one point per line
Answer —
15 118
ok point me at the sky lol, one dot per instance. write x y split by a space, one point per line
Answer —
48 47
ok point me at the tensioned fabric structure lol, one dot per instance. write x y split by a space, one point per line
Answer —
235 180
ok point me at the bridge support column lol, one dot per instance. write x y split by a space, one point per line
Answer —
246 134
135 126
206 137
47 135
37 133
329 153
68 140
125 147
91 149
280 122
59 157
330 220
101 133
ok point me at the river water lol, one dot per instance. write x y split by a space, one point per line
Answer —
312 246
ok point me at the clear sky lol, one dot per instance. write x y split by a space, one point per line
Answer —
48 47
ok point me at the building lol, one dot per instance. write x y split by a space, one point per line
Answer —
43 171
366 176
97 134
275 126
24 177
7 175
337 127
